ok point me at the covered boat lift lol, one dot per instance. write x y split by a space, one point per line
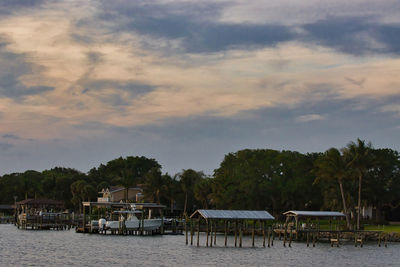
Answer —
89 226
214 219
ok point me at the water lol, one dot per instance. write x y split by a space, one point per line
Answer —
51 248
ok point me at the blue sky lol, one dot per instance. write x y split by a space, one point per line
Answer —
186 82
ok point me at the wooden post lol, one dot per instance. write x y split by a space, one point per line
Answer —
386 239
198 232
355 239
379 240
191 232
308 239
186 231
272 235
313 244
162 221
284 236
211 233
240 235
291 237
215 232
236 233
84 218
263 230
252 233
270 232
226 234
207 233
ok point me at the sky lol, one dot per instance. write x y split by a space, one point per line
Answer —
186 82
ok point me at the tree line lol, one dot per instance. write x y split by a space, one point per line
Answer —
343 179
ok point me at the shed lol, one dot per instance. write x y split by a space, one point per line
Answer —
303 214
222 220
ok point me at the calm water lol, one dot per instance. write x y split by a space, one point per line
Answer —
49 248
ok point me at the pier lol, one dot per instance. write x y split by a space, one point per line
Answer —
119 214
42 214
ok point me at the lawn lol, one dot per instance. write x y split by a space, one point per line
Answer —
385 228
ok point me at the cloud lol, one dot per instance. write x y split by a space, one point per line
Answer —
12 67
309 117
5 146
11 136
193 25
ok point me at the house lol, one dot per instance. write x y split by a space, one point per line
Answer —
116 194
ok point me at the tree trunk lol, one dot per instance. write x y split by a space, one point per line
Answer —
359 201
344 204
172 206
184 207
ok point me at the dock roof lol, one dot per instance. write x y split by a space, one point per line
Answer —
304 213
234 214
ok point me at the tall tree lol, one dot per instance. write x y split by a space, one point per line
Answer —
188 180
330 166
203 191
154 185
359 158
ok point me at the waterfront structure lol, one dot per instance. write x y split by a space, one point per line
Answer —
42 214
117 213
116 194
236 221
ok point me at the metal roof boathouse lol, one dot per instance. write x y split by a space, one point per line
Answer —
227 221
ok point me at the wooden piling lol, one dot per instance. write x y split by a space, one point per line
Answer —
211 233
226 235
291 237
308 239
215 232
207 233
314 238
191 232
263 231
236 233
252 233
198 232
284 237
186 232
240 235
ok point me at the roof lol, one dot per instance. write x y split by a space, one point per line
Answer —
40 202
304 213
124 205
234 214
114 189
6 207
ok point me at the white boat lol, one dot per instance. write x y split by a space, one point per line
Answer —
129 221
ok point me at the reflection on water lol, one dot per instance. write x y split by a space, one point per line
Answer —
47 248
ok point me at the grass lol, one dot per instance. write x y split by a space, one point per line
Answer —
385 228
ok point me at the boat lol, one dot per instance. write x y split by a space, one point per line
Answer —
129 221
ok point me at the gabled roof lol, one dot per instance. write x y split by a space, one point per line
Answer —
114 189
36 202
304 213
234 214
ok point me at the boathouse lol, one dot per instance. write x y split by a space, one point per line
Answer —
227 221
42 214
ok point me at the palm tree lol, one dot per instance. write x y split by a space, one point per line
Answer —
203 191
188 179
127 180
332 165
359 158
154 185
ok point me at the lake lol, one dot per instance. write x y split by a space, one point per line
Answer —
50 248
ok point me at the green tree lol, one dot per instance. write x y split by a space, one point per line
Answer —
359 158
332 165
203 191
154 186
382 184
188 179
